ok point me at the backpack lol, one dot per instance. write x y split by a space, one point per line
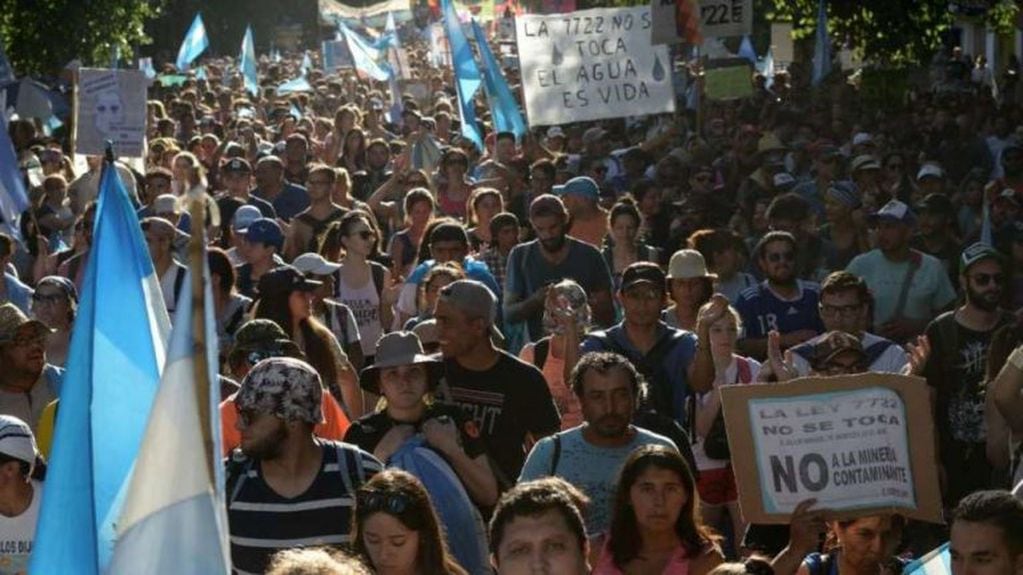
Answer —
651 365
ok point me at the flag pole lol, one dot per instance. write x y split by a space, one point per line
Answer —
197 263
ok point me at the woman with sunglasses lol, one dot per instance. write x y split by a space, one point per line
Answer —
364 285
396 528
656 526
454 187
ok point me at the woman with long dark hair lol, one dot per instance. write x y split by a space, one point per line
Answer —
453 187
656 525
364 285
284 297
396 528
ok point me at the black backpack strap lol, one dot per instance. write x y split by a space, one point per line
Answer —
179 281
556 457
378 276
540 351
235 321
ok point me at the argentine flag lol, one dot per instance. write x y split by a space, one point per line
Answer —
195 43
114 363
13 198
174 519
248 62
937 562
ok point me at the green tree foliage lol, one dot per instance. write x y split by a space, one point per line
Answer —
42 36
890 32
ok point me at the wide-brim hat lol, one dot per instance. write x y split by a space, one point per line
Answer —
12 320
397 349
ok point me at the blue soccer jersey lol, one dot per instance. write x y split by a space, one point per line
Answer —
762 310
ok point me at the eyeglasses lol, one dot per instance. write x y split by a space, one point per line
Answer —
781 257
367 502
48 298
846 310
986 279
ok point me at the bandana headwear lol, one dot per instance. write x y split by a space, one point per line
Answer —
285 387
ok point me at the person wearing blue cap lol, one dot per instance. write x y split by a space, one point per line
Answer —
264 239
581 196
909 287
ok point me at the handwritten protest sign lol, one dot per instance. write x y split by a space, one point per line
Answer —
111 106
718 19
592 64
859 445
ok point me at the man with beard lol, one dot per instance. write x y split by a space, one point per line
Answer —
909 287
781 302
27 382
287 488
590 456
553 256
365 182
957 368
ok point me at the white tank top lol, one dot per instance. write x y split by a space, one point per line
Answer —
365 305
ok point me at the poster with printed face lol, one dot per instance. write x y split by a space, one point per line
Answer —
336 55
592 64
859 445
718 19
111 106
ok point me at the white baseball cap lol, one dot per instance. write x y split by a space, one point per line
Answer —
17 441
313 263
243 218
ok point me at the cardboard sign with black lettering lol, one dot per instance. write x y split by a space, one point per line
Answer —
591 65
858 444
718 19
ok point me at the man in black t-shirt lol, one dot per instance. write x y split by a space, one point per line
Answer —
508 399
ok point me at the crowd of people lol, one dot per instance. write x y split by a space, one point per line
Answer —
441 359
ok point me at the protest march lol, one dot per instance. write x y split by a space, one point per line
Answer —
501 287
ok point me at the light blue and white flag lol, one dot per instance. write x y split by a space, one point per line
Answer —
467 74
746 51
936 562
6 70
364 56
247 62
504 111
821 46
200 73
118 345
299 84
174 510
13 197
767 68
307 63
146 65
194 44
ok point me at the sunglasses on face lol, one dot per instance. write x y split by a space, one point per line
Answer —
987 279
372 501
364 234
777 257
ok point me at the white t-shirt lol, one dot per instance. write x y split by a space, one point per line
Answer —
704 463
17 534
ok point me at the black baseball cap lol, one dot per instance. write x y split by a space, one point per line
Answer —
285 279
642 272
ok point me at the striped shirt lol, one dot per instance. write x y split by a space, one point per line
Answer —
262 522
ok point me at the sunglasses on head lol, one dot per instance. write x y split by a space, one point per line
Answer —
367 502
